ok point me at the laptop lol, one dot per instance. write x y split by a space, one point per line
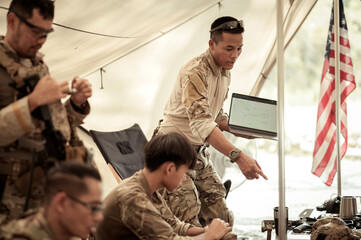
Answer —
253 116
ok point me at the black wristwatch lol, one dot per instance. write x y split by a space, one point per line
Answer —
234 154
81 108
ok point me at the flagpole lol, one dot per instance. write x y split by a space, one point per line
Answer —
337 90
280 122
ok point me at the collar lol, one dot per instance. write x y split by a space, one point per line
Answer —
217 70
44 223
145 183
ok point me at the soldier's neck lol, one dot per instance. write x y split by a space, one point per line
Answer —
153 179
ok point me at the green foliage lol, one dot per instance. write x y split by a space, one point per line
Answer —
304 56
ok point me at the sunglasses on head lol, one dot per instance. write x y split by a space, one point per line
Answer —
229 26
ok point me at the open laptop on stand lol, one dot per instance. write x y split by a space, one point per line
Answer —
253 116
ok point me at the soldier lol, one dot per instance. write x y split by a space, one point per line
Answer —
134 210
36 129
194 110
72 206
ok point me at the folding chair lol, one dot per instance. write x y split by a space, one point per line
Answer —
123 149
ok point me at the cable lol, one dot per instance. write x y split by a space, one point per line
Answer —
92 33
98 34
155 38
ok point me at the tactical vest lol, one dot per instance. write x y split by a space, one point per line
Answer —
20 68
20 165
13 69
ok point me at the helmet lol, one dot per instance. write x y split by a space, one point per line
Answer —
332 228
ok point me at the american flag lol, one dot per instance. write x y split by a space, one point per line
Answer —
325 151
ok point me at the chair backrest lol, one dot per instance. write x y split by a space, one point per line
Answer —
122 149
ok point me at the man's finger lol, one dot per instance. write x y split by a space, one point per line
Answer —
263 175
261 172
258 165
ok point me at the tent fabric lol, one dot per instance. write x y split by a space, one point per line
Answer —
149 41
295 16
135 23
134 69
122 149
130 22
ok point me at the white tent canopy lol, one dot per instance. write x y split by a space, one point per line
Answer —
151 40
147 43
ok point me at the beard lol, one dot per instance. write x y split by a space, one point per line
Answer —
22 47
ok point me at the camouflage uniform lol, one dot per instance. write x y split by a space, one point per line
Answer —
333 228
132 211
34 227
20 132
194 109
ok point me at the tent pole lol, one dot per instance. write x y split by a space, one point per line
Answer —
337 89
280 122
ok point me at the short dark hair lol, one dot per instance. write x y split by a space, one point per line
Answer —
216 36
24 8
68 177
169 147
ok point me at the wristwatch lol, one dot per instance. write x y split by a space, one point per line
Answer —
234 154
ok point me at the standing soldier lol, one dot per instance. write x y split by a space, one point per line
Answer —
194 110
36 129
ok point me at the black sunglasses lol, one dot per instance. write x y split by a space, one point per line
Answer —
93 209
43 30
229 25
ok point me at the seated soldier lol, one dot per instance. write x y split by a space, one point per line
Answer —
72 204
134 210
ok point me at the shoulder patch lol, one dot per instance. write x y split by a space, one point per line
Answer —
193 90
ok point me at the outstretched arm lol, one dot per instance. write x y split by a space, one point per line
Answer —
223 126
249 166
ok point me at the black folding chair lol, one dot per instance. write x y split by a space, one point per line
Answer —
122 149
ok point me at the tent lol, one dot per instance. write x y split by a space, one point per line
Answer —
131 51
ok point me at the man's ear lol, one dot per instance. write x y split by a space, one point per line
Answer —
59 201
169 168
11 18
211 44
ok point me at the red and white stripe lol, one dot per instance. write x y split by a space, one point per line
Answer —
325 151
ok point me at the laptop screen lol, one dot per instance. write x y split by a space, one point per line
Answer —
253 116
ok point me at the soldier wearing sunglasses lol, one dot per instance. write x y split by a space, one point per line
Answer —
72 206
22 140
195 110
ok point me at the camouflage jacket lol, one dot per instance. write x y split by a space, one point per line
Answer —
133 212
15 117
195 105
34 227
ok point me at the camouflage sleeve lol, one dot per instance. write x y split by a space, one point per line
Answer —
196 102
145 221
221 116
22 229
76 118
178 226
15 121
